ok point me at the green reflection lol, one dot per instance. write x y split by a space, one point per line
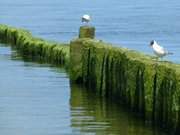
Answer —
91 114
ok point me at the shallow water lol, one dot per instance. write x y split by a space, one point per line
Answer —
121 22
36 99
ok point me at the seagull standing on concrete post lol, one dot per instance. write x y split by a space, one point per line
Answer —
86 19
159 50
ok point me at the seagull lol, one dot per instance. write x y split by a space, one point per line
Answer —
86 18
159 50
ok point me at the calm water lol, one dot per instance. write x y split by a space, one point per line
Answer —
36 99
132 23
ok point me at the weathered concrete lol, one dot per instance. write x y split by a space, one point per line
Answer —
87 32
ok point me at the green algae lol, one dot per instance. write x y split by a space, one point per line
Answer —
149 88
35 48
87 32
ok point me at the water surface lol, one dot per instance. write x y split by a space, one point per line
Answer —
93 115
34 98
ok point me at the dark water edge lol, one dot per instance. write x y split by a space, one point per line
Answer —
41 100
90 113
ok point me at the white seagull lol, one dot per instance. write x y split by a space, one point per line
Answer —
86 19
159 50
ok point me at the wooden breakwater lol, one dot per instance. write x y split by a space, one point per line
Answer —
35 48
148 88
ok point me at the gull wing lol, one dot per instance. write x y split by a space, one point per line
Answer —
159 48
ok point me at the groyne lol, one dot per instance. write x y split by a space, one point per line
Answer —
35 48
149 88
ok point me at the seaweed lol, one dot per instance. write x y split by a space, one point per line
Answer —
150 89
35 48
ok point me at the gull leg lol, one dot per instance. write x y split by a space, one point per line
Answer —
156 61
87 23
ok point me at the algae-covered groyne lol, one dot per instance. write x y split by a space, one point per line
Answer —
147 87
35 48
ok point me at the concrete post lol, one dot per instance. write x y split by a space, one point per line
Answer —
87 32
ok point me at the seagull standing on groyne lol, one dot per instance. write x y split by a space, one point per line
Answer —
159 50
86 19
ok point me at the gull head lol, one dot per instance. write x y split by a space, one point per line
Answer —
152 42
86 18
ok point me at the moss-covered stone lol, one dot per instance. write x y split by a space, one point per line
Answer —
149 88
35 48
87 32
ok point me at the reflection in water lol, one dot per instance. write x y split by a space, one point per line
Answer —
90 114
34 98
